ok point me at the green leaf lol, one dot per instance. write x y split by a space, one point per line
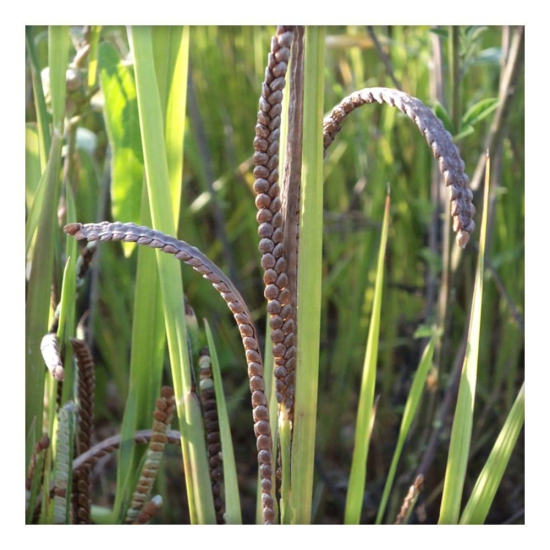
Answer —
489 479
33 171
309 279
58 61
442 114
39 289
171 51
42 116
67 314
479 111
464 131
444 33
463 419
356 485
122 121
157 177
231 488
413 400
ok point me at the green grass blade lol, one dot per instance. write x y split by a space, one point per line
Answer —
38 295
58 59
462 425
95 32
57 52
309 279
171 51
231 487
487 483
122 122
146 363
409 413
42 115
148 333
33 169
356 486
64 464
156 169
67 313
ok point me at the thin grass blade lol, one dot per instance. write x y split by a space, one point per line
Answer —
38 297
356 486
309 279
231 487
462 425
483 494
413 400
122 122
156 169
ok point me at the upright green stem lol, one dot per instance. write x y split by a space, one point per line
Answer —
309 280
156 169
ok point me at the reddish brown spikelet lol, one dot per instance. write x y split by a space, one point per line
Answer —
150 510
163 414
212 429
86 390
271 221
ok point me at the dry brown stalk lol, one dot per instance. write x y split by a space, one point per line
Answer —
410 500
163 414
212 429
86 389
444 150
192 256
271 219
83 262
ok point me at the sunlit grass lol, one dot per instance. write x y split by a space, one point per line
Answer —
141 153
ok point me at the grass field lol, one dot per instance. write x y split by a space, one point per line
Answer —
409 395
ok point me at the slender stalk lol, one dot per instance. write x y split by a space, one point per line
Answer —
462 424
365 409
156 168
309 280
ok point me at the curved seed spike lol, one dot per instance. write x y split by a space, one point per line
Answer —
440 141
107 446
270 218
130 232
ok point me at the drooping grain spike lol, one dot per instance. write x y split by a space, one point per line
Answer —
107 446
190 255
439 140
